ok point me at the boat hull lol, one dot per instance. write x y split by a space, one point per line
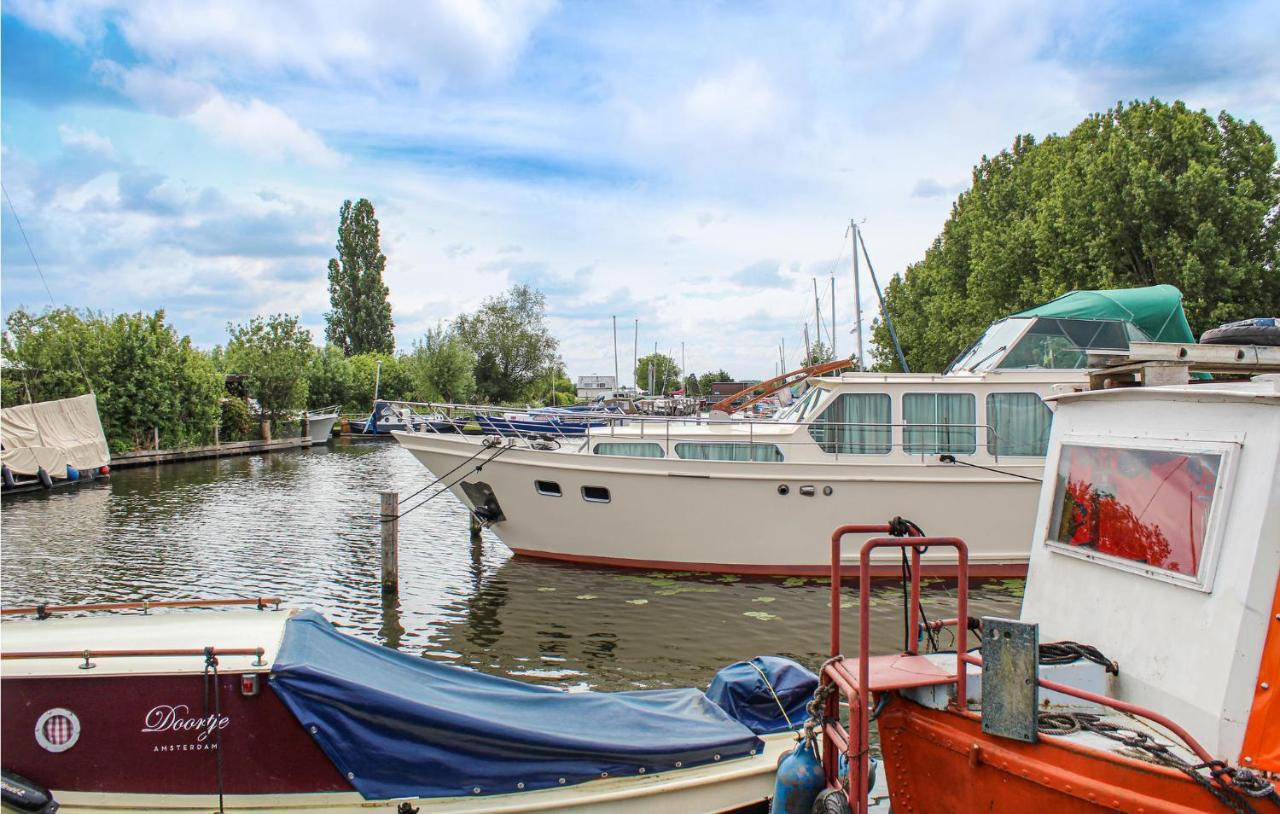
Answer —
723 516
941 762
129 755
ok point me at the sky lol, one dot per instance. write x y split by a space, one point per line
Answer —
692 166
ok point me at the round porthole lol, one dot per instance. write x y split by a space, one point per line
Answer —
827 490
784 489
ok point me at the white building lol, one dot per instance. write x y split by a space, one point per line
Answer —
589 387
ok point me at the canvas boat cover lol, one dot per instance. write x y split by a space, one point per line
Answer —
1157 310
53 434
399 725
769 694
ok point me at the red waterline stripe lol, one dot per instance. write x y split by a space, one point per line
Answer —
886 570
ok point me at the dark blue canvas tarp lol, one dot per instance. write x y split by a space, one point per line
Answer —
769 694
403 726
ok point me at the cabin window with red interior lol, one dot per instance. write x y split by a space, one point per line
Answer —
1146 506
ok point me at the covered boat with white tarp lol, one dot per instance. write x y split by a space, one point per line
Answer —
52 443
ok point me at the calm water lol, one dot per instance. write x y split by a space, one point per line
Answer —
302 525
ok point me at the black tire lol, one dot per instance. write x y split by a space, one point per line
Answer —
43 476
831 801
1250 333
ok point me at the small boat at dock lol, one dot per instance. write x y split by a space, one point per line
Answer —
52 444
1142 672
320 423
265 708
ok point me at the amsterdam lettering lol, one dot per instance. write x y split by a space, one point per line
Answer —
165 718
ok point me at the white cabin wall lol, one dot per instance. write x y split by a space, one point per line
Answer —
1179 648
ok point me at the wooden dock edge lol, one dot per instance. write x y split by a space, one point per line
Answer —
149 457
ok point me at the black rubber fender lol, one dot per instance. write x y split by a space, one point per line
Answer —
831 801
45 480
17 793
7 474
1261 331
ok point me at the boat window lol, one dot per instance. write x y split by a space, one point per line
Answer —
729 452
855 423
633 450
1063 344
547 487
944 423
1018 424
799 410
1146 506
595 494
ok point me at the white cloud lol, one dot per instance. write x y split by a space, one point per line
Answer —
262 130
80 138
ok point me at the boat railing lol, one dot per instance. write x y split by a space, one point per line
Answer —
570 430
88 655
838 679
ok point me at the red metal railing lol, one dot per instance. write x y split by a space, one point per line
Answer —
144 605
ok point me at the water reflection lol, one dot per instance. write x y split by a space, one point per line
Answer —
303 525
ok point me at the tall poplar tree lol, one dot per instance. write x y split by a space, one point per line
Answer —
360 321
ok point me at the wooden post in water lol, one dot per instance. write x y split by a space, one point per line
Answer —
390 523
475 526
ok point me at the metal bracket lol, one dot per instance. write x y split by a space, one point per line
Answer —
1010 672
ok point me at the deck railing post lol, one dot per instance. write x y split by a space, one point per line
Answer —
390 523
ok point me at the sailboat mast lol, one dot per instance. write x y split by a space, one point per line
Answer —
616 381
834 354
808 354
635 357
857 293
817 316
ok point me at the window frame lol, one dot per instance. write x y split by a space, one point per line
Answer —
925 449
990 430
537 487
595 449
1228 449
817 422
607 499
747 445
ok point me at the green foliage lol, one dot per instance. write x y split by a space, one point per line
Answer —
330 377
360 321
272 354
441 367
393 384
512 346
1142 194
709 378
236 423
818 354
666 373
145 376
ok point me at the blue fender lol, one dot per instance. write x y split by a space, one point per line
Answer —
798 782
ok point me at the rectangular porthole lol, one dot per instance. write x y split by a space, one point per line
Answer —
547 487
595 494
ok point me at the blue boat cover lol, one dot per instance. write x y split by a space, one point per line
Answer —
400 725
743 690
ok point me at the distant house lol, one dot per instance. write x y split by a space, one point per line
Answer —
591 386
721 389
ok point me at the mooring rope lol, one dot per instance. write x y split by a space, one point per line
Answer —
774 693
497 452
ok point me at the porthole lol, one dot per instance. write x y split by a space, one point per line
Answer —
547 487
827 490
784 489
595 494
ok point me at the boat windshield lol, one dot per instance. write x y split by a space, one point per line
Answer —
1046 343
799 410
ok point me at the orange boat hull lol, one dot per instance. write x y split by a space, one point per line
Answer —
940 762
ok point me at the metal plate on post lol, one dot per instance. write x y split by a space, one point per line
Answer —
1010 668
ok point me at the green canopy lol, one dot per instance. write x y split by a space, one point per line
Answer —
1157 310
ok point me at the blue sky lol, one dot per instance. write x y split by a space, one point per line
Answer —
692 166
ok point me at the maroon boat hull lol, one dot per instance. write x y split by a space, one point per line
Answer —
159 735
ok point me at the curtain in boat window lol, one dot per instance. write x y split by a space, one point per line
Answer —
636 450
947 423
1018 424
729 452
855 423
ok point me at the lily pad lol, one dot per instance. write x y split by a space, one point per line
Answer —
637 602
728 578
761 615
793 582
585 596
546 590
765 599
688 589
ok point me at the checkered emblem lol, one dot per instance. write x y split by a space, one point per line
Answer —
57 730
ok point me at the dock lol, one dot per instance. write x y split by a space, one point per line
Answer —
147 457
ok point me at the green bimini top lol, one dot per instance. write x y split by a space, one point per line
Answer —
1157 310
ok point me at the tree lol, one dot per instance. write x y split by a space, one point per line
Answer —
666 373
511 343
272 354
1141 194
442 367
150 383
818 354
360 321
330 377
709 378
380 372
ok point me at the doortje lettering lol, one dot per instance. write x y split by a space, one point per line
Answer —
165 718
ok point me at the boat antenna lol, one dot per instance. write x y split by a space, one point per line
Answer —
888 320
74 353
